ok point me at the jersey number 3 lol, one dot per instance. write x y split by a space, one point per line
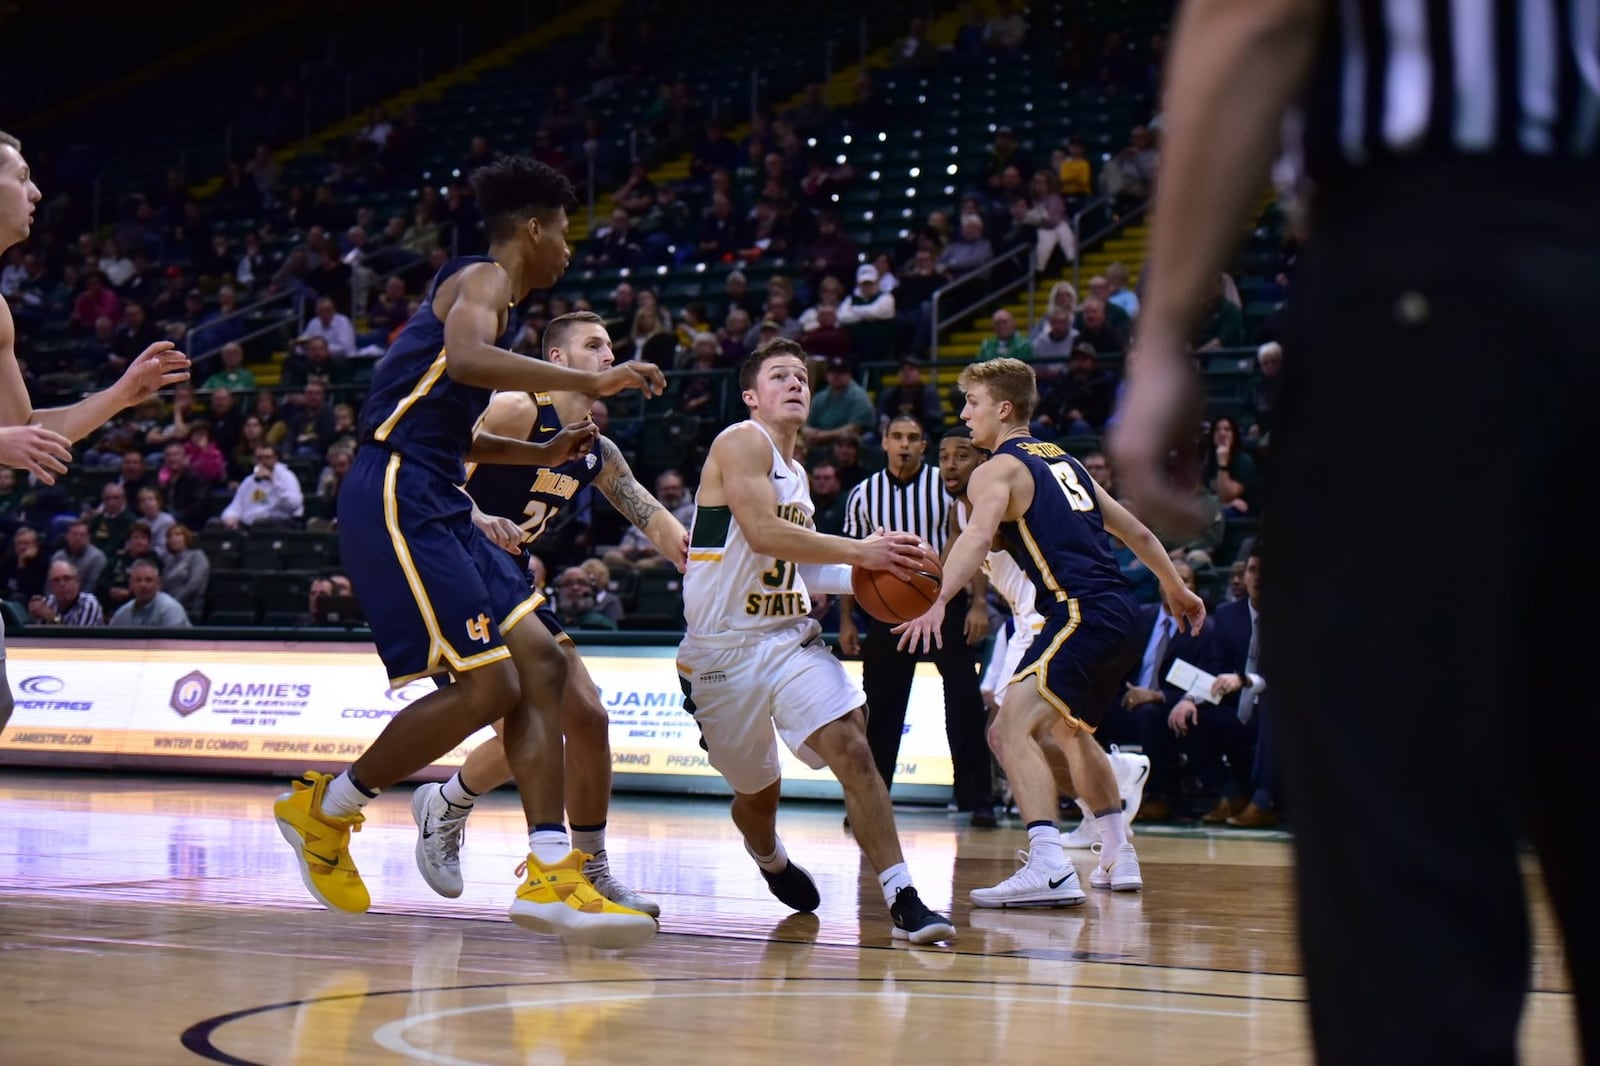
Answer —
1078 497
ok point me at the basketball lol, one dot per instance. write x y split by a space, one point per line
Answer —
894 600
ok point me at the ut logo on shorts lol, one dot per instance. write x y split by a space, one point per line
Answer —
478 629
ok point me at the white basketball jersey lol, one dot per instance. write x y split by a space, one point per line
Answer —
1006 577
730 591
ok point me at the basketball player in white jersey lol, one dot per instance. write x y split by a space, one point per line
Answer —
753 659
958 458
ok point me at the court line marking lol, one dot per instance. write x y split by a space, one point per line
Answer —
391 1035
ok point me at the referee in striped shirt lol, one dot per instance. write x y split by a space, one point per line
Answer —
909 497
1454 219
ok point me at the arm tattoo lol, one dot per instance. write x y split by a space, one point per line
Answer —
619 485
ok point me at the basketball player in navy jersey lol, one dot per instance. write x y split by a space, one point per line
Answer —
439 594
40 442
1052 519
516 505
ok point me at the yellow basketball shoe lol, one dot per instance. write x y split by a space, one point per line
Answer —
559 899
322 845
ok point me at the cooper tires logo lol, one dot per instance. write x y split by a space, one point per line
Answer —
42 685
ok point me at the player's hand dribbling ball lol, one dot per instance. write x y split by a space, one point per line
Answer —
893 600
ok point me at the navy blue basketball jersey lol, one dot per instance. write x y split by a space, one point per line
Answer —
1060 542
413 407
532 495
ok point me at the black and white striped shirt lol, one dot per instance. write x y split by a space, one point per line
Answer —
86 612
1517 79
919 506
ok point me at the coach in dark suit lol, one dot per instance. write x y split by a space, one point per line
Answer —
1146 701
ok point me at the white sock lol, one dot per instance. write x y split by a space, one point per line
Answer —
592 842
457 794
1113 834
893 880
1044 846
773 863
549 846
342 798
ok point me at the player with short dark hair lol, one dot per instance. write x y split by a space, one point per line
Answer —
438 594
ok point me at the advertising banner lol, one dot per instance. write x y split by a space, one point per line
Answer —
278 708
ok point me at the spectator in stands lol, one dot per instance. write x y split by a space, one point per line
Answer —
232 374
1074 175
205 457
826 338
178 428
97 299
967 252
222 326
110 522
650 339
311 428
834 253
113 587
315 364
65 603
88 562
736 337
1006 342
149 605
842 410
701 390
187 493
828 496
847 461
1006 152
867 303
575 601
721 234
389 309
1117 292
1079 401
227 422
1230 470
333 327
332 477
24 571
914 49
912 397
186 570
1047 211
1006 31
134 474
269 498
255 267
1261 394
831 293
778 313
1056 337
635 550
1097 330
1130 176
604 600
616 245
1221 324
117 267
152 508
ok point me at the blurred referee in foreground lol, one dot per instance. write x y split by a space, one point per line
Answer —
1455 218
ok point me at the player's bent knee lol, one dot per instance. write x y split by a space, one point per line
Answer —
583 718
490 692
843 743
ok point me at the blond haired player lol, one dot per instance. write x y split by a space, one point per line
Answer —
958 458
1053 519
753 659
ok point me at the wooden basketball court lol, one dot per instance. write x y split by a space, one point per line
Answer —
161 920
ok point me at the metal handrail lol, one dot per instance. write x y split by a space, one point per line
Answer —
287 297
1028 278
1102 233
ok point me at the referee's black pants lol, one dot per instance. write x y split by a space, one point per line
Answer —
886 674
1428 554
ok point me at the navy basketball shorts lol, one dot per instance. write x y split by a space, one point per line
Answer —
437 593
1081 656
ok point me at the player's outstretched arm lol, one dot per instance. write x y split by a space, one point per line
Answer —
989 492
40 442
638 505
472 357
742 456
1185 606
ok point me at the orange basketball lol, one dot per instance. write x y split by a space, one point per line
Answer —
894 600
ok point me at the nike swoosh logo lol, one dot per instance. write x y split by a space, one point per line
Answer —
324 860
1064 878
780 477
427 834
